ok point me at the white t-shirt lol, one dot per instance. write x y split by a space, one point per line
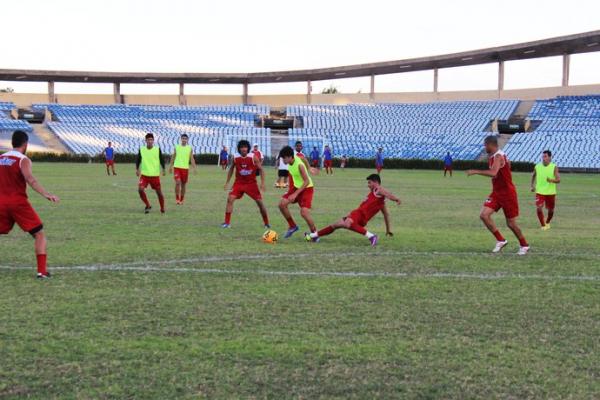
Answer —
282 166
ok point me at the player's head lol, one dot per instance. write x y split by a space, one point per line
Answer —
373 181
298 146
315 147
20 140
327 146
243 147
109 144
287 154
380 149
255 147
448 153
149 140
546 157
491 144
184 139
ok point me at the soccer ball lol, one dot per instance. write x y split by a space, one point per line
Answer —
270 237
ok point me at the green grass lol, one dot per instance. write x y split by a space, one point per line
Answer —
185 332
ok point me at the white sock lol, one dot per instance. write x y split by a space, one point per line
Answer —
314 235
369 235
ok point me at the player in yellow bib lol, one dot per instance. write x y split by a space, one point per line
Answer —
544 179
182 157
148 167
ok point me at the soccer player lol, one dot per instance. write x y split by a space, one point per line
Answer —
343 161
182 157
259 155
148 166
448 164
109 158
544 179
379 160
224 158
314 157
504 196
245 166
15 174
358 219
282 173
328 160
300 191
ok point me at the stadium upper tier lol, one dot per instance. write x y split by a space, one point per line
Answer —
7 124
570 128
87 129
425 131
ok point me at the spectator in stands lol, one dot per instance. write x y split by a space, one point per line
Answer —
315 157
256 151
224 158
109 158
379 160
448 164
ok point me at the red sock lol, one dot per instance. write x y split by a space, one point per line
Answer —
181 197
265 219
41 264
227 218
498 236
540 215
326 231
291 222
144 198
523 242
177 197
550 215
161 201
357 228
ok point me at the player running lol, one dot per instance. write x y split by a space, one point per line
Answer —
379 160
148 166
224 158
358 219
15 174
245 165
300 191
448 164
544 179
504 196
109 158
182 157
328 160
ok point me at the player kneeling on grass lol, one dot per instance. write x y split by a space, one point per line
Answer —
147 167
358 219
245 166
300 191
15 174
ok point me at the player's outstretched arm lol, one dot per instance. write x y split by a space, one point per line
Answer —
193 161
161 159
492 172
229 175
35 185
386 219
388 195
138 161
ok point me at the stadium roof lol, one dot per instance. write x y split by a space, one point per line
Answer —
570 44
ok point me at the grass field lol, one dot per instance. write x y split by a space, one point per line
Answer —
172 306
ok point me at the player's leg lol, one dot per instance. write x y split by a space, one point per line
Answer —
177 191
182 192
285 211
143 184
514 227
107 169
486 217
550 205
40 245
539 209
229 210
307 216
112 166
263 212
161 199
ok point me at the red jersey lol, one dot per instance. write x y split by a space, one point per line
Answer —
502 183
371 205
258 154
245 169
12 182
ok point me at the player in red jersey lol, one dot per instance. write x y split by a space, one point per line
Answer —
15 174
357 219
245 166
504 196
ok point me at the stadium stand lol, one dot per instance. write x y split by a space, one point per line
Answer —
85 129
570 128
425 131
7 124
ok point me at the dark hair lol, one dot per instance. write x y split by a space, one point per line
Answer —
243 143
491 139
184 135
149 136
547 152
374 178
287 151
297 143
19 138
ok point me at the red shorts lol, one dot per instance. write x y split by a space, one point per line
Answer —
508 203
447 167
110 163
181 174
223 162
548 199
153 181
358 217
251 189
378 167
315 163
304 199
22 214
328 163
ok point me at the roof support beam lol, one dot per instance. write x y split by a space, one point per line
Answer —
565 69
308 91
182 100
51 96
245 93
372 91
435 80
501 76
117 92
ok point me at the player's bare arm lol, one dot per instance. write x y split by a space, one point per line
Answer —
172 162
35 185
162 162
229 175
492 172
258 163
138 161
388 195
533 181
556 176
193 161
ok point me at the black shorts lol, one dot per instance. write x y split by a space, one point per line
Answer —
283 173
257 172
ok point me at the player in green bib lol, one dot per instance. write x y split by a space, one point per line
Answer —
182 157
148 166
300 191
544 179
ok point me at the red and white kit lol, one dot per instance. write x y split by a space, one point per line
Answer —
504 193
367 209
245 178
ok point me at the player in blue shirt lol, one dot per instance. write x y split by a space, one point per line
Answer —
328 160
314 157
109 158
379 160
224 158
448 164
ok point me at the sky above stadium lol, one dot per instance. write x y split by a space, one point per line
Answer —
264 35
